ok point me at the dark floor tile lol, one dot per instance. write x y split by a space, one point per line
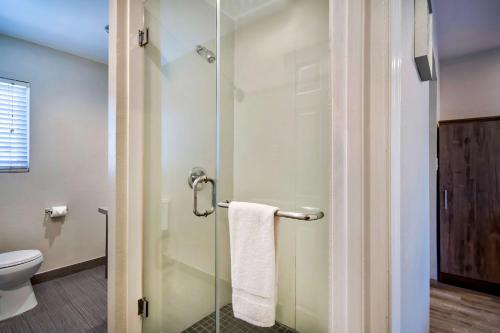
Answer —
230 324
71 304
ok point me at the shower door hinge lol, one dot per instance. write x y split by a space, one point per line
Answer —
143 37
143 307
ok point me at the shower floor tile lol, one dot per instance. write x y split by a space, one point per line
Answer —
229 324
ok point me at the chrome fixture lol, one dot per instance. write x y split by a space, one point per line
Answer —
203 51
194 174
197 178
143 37
289 215
206 212
446 199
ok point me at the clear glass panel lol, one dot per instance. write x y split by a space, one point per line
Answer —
275 144
180 133
273 134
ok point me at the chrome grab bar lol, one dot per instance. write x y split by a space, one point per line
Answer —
289 215
202 179
446 199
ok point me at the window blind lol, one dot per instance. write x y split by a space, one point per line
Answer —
14 125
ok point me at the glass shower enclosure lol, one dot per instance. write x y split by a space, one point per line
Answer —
237 107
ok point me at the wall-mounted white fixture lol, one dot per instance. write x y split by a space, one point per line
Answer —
56 211
424 48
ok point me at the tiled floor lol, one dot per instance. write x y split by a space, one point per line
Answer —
229 324
457 310
77 303
71 304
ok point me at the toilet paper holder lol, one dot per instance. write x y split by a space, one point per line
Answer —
48 211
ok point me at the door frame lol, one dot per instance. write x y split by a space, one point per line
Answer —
125 118
366 80
364 224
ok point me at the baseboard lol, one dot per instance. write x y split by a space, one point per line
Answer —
468 283
67 270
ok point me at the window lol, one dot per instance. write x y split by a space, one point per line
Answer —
14 125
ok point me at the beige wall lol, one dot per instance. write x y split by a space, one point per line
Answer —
282 126
68 156
469 86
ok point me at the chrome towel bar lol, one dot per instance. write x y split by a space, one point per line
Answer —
289 215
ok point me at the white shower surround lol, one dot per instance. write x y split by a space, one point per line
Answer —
360 301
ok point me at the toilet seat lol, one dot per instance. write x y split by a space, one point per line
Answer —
14 258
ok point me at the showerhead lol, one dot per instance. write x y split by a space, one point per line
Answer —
209 55
210 58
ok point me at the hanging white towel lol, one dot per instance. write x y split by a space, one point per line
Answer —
253 230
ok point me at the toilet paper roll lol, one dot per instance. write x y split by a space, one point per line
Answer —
58 211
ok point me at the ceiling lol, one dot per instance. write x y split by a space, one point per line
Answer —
73 26
238 10
77 26
466 26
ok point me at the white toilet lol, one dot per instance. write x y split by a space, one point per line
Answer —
16 293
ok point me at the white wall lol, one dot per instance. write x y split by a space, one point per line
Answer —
68 156
414 187
433 122
434 112
469 86
282 125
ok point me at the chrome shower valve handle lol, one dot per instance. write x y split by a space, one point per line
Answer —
203 180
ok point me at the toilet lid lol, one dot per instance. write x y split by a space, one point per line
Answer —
8 259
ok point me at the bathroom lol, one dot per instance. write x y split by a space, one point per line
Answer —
271 107
182 166
54 166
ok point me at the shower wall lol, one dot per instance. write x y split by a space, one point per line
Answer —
274 139
282 125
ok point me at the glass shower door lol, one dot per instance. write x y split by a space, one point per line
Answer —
275 147
180 137
255 118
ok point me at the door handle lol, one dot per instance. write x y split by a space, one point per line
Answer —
203 180
446 199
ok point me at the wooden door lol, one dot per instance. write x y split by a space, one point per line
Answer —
469 190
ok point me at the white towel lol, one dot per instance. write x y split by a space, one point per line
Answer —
253 231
